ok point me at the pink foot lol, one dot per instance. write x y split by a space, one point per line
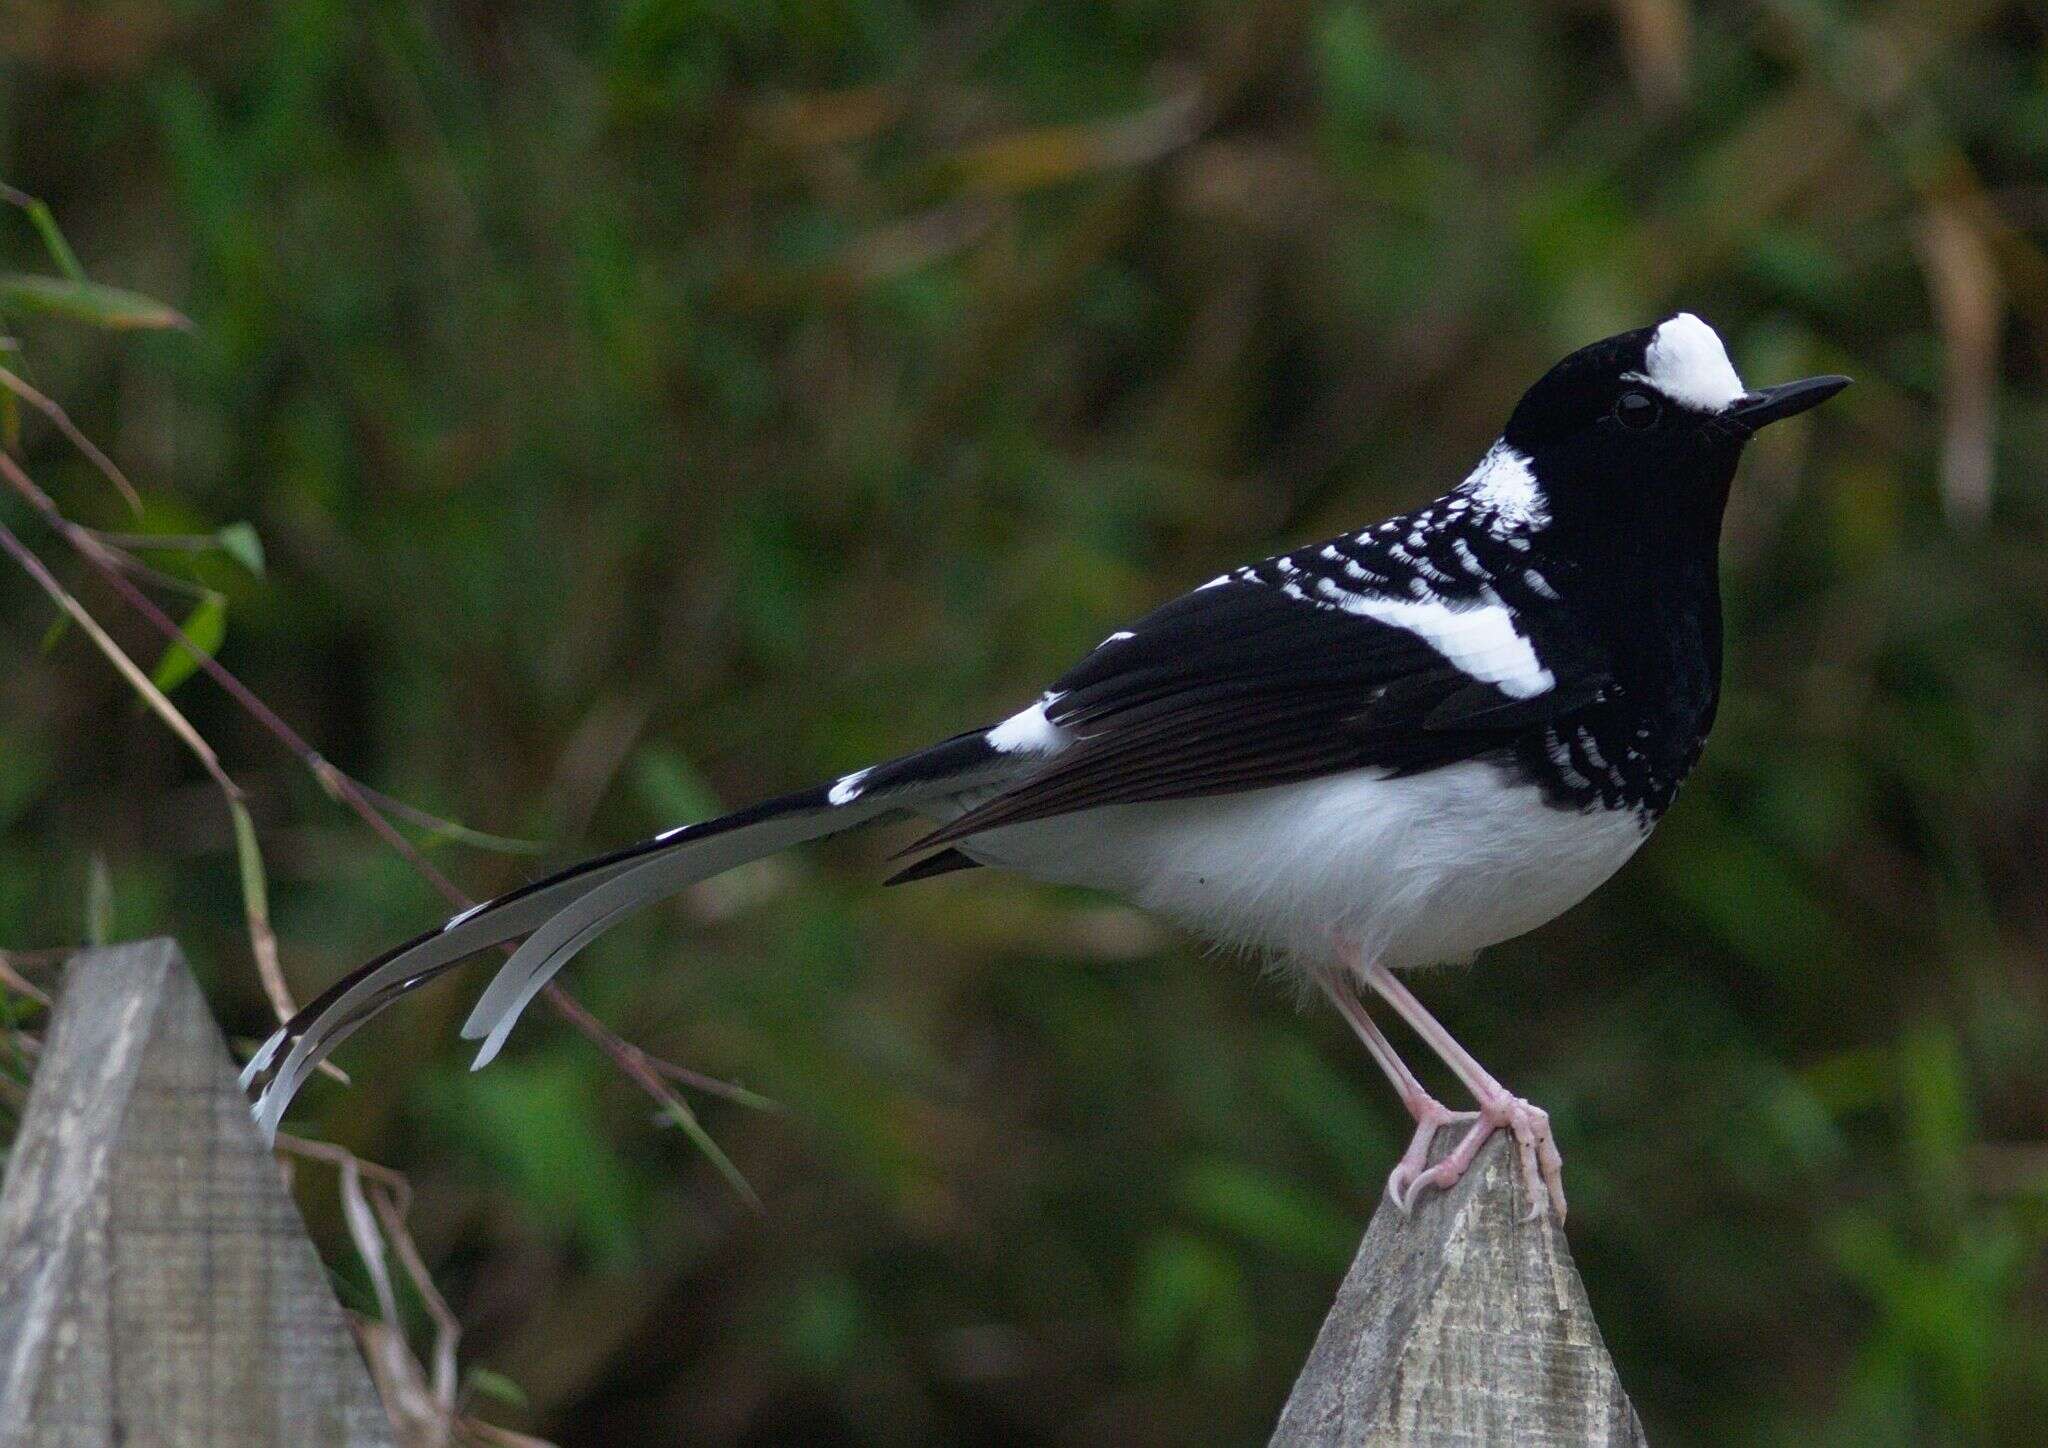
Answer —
1431 1116
1542 1167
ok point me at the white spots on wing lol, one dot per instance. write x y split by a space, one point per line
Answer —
1592 750
1217 582
1480 640
1539 583
1561 756
847 790
1330 552
456 920
1028 731
1687 363
1285 564
1116 638
1468 558
1518 543
1505 485
1293 591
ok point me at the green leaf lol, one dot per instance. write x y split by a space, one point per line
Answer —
45 223
83 301
239 542
206 626
496 1386
677 1113
249 860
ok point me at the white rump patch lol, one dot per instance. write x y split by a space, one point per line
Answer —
1505 484
1028 731
1479 640
1687 363
847 790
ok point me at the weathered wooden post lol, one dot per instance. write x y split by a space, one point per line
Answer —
1460 1324
156 1283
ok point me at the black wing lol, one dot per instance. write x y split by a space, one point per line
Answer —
1281 672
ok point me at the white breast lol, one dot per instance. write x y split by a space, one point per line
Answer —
1416 870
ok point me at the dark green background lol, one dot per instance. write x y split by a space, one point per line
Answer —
648 407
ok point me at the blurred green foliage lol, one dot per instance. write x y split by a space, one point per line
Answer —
645 407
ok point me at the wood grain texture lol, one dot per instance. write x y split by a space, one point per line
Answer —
1461 1324
156 1284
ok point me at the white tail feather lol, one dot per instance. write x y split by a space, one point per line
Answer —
581 921
564 913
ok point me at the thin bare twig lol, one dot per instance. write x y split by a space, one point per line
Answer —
375 1201
160 542
262 940
136 568
640 1067
453 829
48 407
16 982
621 1050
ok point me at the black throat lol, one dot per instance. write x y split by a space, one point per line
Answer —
1637 561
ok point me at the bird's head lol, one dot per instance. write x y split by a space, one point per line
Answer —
1645 428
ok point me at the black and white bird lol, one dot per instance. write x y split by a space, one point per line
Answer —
1388 750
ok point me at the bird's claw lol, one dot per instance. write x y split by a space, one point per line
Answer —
1431 1116
1542 1166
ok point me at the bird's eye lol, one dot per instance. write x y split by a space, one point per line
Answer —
1636 409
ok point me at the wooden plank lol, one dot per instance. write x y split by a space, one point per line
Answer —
156 1283
1461 1324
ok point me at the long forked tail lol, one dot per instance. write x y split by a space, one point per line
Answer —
565 912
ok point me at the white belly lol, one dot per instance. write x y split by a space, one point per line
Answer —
1411 871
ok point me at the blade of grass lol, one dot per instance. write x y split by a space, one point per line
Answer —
45 222
99 901
115 308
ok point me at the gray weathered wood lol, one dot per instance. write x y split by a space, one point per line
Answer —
1460 1324
156 1283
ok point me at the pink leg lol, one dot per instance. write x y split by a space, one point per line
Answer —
1542 1167
1430 1114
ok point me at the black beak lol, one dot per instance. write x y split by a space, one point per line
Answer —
1787 399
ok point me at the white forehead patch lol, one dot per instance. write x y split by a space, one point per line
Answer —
1687 363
